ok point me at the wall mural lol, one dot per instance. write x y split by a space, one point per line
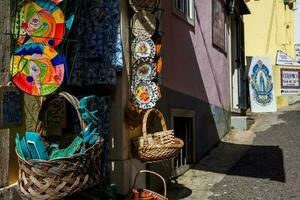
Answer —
261 85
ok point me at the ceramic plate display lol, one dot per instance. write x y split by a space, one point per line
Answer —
145 94
143 23
143 47
40 22
37 69
143 69
138 5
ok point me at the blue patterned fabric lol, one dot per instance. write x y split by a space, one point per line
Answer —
99 53
103 105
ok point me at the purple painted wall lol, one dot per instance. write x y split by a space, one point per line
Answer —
192 66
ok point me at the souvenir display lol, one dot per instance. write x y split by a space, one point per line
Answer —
41 22
37 69
145 94
138 5
143 69
143 47
161 145
159 64
143 23
11 107
79 163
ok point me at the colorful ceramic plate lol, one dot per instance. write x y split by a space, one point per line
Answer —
143 69
145 94
143 23
40 22
143 47
37 69
138 5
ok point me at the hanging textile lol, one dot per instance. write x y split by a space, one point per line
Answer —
98 55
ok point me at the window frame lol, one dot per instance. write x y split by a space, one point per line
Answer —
187 13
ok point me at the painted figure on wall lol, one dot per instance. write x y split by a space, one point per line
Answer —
261 83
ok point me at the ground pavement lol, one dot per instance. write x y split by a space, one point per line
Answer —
261 163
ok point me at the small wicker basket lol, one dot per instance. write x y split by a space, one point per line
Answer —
145 194
57 178
158 146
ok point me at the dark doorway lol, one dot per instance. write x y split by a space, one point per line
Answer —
184 129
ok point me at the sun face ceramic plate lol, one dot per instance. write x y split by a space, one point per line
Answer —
40 22
143 47
143 69
143 23
145 94
37 69
138 5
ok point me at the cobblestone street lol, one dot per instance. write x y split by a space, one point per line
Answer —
261 163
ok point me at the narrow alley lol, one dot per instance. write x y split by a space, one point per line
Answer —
261 163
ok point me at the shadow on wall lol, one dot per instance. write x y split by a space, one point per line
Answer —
183 84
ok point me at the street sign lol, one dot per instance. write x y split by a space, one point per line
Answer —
290 81
283 59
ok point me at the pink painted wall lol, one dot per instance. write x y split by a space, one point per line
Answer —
190 60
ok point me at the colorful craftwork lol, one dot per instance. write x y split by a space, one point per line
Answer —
11 107
143 23
145 94
40 22
86 105
37 69
143 47
138 5
261 83
144 69
31 146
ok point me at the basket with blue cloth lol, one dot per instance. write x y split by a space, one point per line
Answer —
47 172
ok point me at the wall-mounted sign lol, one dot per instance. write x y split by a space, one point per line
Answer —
290 83
11 108
261 85
283 59
297 53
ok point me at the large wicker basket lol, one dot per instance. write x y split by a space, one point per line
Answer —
157 146
57 178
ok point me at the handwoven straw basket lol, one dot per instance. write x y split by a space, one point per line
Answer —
57 178
157 146
145 194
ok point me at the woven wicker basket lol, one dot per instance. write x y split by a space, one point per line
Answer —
145 194
57 178
158 146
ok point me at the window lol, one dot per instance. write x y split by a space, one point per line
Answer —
184 9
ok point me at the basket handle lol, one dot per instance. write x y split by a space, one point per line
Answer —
162 122
70 98
154 173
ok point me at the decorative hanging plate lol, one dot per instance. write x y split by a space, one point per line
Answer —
37 69
143 23
143 47
145 94
40 22
143 69
138 5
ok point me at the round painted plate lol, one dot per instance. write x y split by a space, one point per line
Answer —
40 22
143 69
145 94
143 47
37 69
138 5
143 23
